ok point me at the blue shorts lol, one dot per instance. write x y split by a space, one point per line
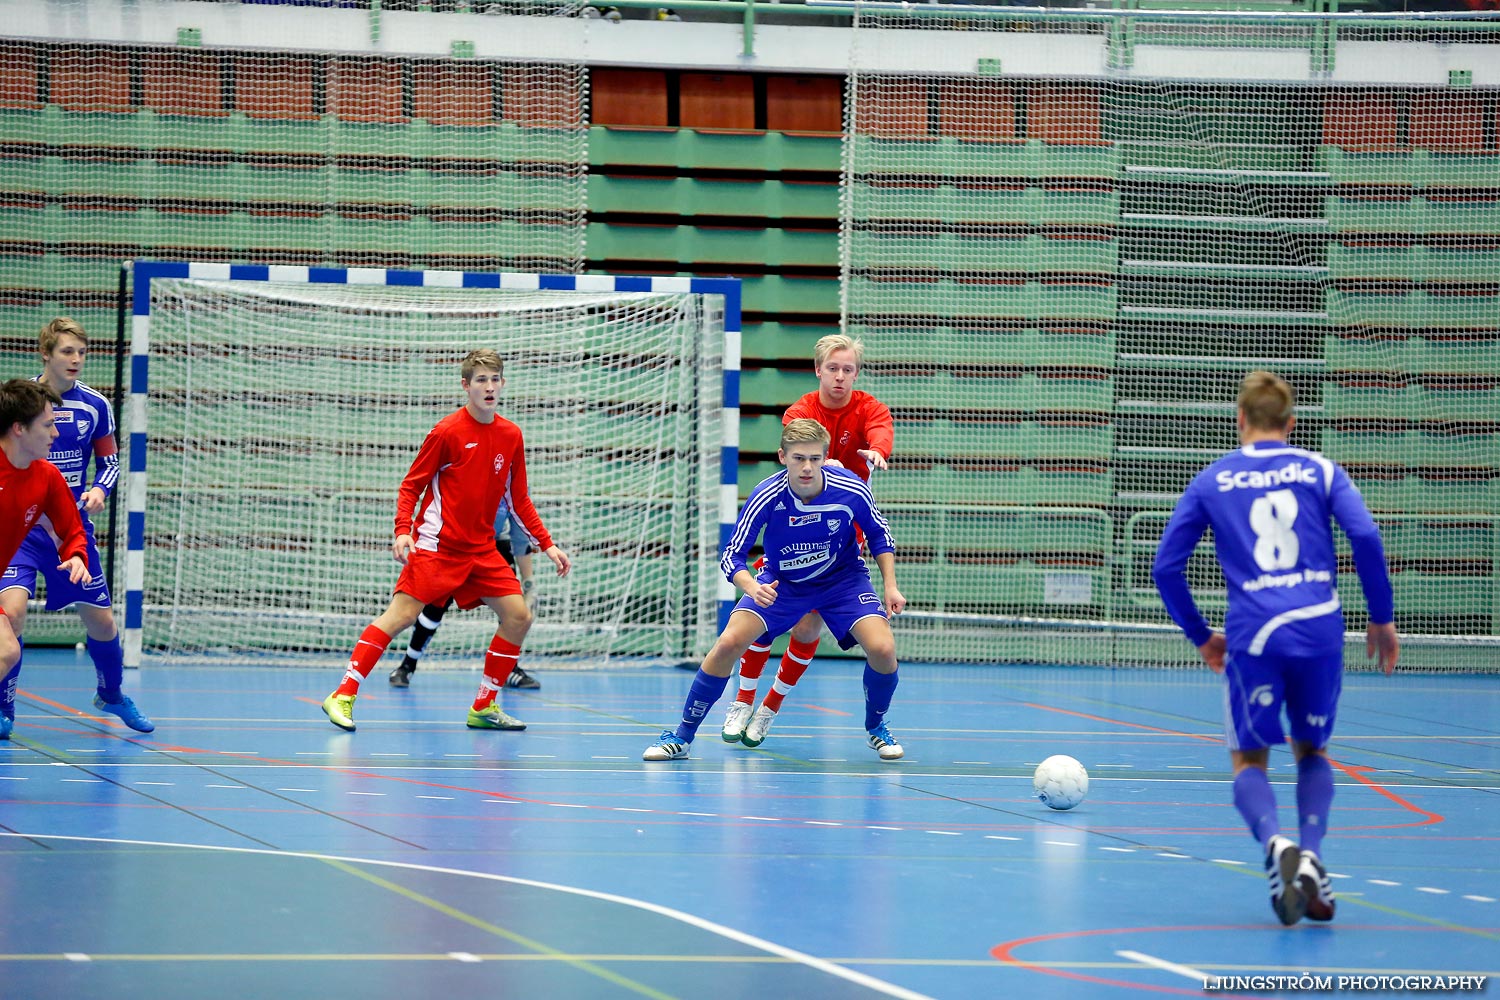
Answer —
840 603
1256 688
38 556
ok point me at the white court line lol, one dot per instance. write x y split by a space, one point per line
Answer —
943 833
464 956
748 940
223 786
76 956
1435 892
1481 899
996 836
1381 881
296 789
1061 843
1119 850
1186 971
440 798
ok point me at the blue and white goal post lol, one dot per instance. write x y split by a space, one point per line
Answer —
288 401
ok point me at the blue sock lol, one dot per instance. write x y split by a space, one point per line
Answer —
1314 797
879 689
109 666
8 690
1257 803
706 690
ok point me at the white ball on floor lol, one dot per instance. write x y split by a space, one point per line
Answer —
1060 782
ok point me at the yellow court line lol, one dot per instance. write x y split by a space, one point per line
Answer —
511 936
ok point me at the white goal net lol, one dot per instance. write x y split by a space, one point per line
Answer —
282 418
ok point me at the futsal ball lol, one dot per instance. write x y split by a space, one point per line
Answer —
1060 782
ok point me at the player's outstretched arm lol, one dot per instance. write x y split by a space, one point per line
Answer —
875 458
401 548
559 559
1382 645
78 571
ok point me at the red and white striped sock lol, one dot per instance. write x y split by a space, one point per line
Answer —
367 653
794 663
752 665
499 661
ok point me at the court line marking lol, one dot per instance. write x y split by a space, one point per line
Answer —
1185 971
729 933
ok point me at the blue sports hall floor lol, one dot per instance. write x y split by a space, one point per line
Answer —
248 849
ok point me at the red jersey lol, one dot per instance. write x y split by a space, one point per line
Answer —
36 495
862 424
466 468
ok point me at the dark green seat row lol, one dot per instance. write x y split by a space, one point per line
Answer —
145 131
963 158
770 199
687 150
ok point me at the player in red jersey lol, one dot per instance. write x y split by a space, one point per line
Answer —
445 539
861 434
32 492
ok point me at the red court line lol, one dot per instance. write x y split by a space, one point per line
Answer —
820 708
111 723
1358 772
1118 722
1003 952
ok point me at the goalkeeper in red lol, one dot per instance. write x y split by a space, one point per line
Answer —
861 434
445 540
33 494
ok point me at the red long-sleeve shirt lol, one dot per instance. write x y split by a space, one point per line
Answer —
461 473
36 495
862 424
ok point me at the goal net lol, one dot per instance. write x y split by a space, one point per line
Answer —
281 418
1067 236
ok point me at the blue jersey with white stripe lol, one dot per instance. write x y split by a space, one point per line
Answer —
812 541
83 418
1270 506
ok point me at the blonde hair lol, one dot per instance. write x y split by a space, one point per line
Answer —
1266 400
54 330
804 430
482 358
838 342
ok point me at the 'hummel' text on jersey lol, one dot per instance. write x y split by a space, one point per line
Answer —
85 428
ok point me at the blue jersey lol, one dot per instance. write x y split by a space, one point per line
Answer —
84 418
808 542
1270 505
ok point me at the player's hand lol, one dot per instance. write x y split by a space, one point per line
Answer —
763 594
832 463
559 559
895 602
93 500
1213 652
401 548
875 459
1382 645
78 570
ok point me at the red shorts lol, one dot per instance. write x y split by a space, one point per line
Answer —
433 577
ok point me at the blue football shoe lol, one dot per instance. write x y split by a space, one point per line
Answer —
128 713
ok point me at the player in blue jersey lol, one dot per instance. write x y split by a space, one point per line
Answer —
1270 506
807 513
85 431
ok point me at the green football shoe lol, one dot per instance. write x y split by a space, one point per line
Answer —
340 710
493 718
